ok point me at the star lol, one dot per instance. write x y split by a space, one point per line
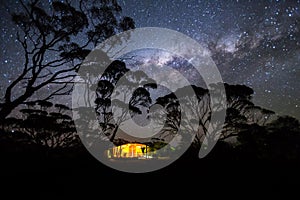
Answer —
252 42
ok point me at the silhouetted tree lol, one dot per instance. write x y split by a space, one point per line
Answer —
278 140
61 107
10 124
53 130
198 110
238 99
120 95
256 114
234 123
54 42
283 139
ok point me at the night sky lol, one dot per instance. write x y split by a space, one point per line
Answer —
256 43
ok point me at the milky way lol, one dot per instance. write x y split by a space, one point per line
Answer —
255 43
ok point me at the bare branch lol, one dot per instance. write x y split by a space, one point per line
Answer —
60 92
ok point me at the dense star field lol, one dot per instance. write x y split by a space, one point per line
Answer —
46 47
252 43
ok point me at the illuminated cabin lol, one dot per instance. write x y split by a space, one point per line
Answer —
130 150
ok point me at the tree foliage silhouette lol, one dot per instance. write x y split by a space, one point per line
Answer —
278 140
121 94
55 41
240 112
50 129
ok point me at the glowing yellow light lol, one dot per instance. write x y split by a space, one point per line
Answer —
131 150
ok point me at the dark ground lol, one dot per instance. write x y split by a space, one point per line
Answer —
48 175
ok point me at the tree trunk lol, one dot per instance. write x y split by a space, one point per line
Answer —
112 138
9 106
6 109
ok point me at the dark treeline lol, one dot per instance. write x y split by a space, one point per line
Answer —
55 41
249 131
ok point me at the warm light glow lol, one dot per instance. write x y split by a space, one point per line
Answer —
130 150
